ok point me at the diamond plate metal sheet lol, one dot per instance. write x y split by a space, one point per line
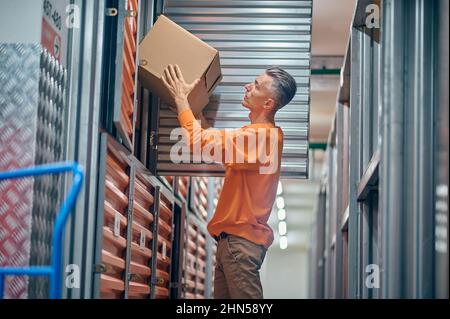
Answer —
49 149
32 117
19 75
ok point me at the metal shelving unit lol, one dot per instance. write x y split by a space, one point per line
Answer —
377 198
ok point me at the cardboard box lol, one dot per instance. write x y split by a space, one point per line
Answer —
168 43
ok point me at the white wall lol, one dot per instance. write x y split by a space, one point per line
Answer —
284 274
20 21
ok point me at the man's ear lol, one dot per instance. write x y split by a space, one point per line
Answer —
269 104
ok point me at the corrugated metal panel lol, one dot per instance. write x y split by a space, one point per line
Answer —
19 95
250 36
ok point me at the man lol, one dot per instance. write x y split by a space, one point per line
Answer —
240 221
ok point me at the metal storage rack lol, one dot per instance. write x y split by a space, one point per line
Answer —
213 267
163 247
200 249
375 237
121 46
190 272
116 198
135 228
183 186
142 236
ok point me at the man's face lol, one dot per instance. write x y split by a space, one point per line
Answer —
259 94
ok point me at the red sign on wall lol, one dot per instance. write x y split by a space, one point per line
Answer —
51 40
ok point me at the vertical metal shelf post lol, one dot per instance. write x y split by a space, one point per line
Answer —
154 280
129 228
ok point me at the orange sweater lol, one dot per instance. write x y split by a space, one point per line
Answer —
251 179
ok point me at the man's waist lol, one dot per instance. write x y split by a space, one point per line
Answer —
220 236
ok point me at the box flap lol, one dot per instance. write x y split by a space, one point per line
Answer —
213 74
219 79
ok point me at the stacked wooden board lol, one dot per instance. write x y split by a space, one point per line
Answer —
194 276
116 193
142 238
164 248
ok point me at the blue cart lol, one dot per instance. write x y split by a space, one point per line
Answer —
54 271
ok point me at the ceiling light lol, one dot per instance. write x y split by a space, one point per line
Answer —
281 214
283 242
282 228
279 189
280 202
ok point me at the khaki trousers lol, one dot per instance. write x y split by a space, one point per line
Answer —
238 261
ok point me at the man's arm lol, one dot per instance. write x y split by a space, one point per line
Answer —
200 118
249 158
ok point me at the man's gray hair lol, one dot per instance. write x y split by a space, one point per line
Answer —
284 85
